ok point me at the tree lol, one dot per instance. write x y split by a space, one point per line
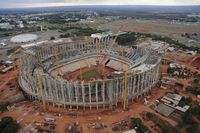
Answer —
3 107
8 125
149 115
196 81
11 128
137 124
52 38
193 128
187 117
196 110
5 121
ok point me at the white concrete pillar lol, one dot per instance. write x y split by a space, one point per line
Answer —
96 92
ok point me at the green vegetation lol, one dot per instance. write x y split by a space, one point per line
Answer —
194 89
8 125
185 101
137 124
149 115
52 38
3 107
196 81
66 35
163 125
126 39
187 117
78 31
196 111
90 74
192 126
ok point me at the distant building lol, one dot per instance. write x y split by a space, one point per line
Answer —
170 49
31 22
20 24
3 44
106 34
99 35
5 26
130 131
192 52
7 69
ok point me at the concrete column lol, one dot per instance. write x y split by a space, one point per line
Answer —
69 93
103 94
45 87
134 86
117 92
76 94
145 85
63 94
90 97
138 84
110 94
122 90
83 94
142 82
96 91
56 90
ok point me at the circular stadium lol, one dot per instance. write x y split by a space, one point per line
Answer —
88 74
24 38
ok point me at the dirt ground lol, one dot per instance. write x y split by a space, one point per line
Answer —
179 55
28 112
183 59
196 62
7 84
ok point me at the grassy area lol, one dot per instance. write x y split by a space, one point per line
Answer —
131 37
137 124
90 74
162 124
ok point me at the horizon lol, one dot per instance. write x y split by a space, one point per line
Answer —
98 5
9 4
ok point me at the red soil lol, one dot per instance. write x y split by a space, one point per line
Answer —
196 62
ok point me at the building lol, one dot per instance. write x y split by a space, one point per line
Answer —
169 104
44 71
130 131
5 26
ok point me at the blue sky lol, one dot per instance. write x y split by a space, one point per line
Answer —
44 3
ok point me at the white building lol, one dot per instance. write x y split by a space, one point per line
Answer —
5 26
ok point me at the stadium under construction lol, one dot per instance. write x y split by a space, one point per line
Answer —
96 73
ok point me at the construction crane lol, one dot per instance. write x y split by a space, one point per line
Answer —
13 56
56 59
125 91
41 89
116 36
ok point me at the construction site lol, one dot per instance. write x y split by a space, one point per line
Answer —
94 73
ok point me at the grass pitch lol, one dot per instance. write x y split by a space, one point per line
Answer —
90 74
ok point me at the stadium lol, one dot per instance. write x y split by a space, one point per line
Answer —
88 74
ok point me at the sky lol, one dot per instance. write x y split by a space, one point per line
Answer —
46 3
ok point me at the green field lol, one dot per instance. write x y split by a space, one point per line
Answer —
90 74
